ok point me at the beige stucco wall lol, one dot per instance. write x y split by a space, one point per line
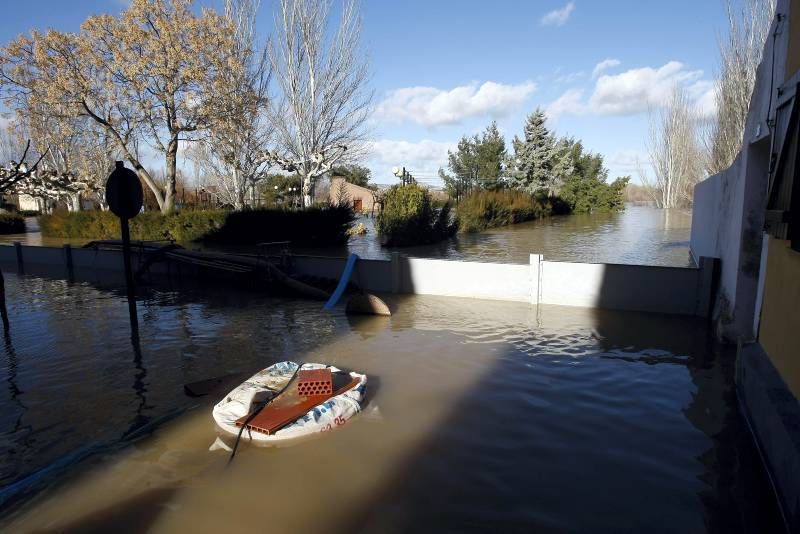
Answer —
793 56
352 192
779 333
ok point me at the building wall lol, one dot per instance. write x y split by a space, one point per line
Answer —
728 211
340 188
779 332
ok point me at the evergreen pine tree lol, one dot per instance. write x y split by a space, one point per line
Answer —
535 156
491 154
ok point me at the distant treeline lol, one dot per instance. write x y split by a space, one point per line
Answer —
542 165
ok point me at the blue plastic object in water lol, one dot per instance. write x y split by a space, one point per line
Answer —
337 294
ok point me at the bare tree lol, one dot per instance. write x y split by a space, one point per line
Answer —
230 153
322 75
78 157
15 171
675 155
149 74
740 54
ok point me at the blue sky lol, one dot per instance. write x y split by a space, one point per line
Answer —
442 69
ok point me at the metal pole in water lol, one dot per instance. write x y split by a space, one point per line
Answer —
125 198
126 258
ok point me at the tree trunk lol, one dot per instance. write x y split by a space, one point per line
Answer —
308 189
74 202
238 191
172 169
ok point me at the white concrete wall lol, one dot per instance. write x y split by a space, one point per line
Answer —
717 229
494 281
624 287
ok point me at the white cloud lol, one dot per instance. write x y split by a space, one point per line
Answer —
704 94
568 103
431 107
558 17
637 89
421 158
604 65
567 78
631 92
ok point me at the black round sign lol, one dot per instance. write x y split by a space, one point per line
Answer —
124 192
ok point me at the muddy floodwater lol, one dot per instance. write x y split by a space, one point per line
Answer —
481 416
639 235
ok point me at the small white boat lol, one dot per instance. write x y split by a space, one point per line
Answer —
279 382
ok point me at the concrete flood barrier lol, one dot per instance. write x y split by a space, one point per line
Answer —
673 290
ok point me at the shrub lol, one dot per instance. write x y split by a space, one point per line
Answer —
584 194
409 218
316 226
11 223
488 209
186 225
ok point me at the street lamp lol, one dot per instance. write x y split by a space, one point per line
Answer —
403 175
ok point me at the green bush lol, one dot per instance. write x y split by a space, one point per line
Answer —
409 218
488 209
584 194
11 223
316 226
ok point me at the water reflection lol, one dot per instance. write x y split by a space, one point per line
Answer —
139 387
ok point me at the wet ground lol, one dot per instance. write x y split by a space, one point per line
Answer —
482 416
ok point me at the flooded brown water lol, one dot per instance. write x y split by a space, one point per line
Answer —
482 416
639 235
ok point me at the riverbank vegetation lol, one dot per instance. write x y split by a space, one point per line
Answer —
316 226
545 175
12 223
488 209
